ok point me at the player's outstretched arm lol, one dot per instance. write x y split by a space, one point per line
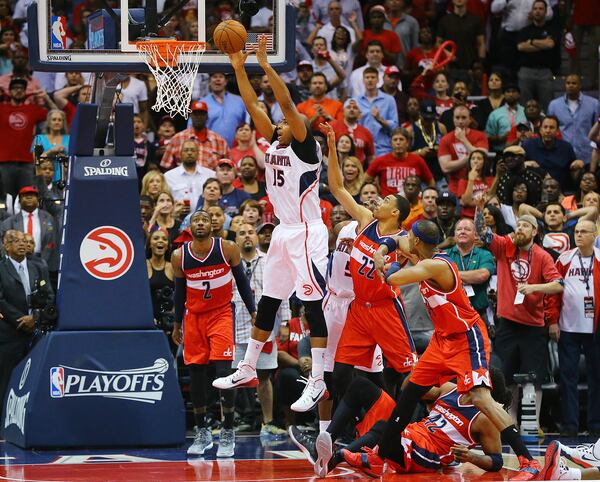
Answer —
179 295
295 120
336 183
422 271
233 257
489 438
260 118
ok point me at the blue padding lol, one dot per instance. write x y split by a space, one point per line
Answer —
124 130
83 130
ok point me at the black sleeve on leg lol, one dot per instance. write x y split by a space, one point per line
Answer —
316 319
223 369
198 385
266 313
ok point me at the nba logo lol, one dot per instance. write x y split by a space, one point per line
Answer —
59 33
57 382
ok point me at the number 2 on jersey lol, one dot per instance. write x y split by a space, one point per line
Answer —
278 179
206 285
367 264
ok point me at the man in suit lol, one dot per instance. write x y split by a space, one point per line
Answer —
37 222
17 281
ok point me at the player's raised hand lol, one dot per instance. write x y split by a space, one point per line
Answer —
238 59
261 52
328 131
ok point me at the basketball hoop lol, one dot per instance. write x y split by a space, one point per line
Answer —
174 65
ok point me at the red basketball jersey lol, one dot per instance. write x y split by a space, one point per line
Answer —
208 280
450 312
368 286
448 423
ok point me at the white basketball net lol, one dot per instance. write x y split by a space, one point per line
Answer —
174 68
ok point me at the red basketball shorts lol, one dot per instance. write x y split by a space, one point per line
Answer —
463 355
380 323
380 410
208 336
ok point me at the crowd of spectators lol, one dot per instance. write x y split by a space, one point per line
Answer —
489 131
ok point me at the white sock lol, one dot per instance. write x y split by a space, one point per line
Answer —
253 352
323 424
574 474
318 362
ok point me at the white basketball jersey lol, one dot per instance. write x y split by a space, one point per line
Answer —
292 184
339 279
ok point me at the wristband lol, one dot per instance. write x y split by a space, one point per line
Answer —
390 244
394 268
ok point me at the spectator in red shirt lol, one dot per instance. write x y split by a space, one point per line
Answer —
17 124
67 99
476 185
389 39
362 137
456 146
421 57
318 107
21 71
393 168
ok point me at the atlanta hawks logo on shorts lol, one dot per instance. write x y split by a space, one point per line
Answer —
106 253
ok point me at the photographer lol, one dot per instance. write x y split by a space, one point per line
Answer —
160 275
21 282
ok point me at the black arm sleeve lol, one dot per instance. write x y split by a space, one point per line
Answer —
179 299
243 287
307 149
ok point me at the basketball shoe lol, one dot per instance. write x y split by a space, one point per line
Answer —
585 455
244 376
314 391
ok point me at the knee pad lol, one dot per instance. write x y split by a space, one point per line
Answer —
266 312
342 377
316 319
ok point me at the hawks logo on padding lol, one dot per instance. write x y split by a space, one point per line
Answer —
106 253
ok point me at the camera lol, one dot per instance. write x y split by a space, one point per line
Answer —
44 313
165 317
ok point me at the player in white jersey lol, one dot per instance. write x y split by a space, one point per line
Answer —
297 257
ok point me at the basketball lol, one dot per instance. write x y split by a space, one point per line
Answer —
230 36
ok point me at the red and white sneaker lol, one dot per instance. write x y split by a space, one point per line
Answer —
551 469
528 469
314 391
244 376
585 455
368 461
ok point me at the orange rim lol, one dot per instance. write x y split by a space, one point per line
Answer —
168 49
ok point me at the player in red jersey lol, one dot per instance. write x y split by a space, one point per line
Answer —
376 315
451 429
204 270
459 347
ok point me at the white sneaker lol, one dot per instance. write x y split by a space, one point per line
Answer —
324 447
226 443
314 391
244 376
583 455
202 442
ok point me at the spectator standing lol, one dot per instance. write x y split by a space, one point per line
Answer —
20 70
553 155
17 324
586 23
420 57
576 114
226 111
404 25
374 55
573 317
494 99
504 118
380 115
475 266
134 91
537 46
526 273
391 83
253 262
336 19
526 130
166 215
186 180
211 146
17 123
248 180
412 192
466 31
55 140
515 16
304 71
153 183
456 146
393 168
477 184
349 126
143 149
247 145
350 9
319 108
446 218
392 47
324 63
38 223
268 97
